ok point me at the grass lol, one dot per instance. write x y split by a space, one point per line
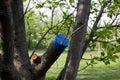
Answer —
98 72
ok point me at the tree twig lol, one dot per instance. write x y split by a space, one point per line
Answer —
78 29
27 7
40 41
115 17
105 41
118 25
52 17
42 19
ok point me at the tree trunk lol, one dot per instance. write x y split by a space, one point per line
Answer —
77 42
8 69
21 60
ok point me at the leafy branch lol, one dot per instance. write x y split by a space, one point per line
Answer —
94 28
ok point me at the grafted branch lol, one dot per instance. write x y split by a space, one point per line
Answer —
47 59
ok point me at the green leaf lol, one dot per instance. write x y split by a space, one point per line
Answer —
118 49
118 41
64 15
71 1
102 54
54 4
48 1
30 14
110 15
106 62
114 57
62 4
87 63
104 2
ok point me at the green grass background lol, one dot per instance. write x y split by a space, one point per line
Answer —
99 71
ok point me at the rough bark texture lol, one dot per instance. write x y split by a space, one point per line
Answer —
8 69
77 42
0 65
21 58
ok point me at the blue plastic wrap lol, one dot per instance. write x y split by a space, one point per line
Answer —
61 42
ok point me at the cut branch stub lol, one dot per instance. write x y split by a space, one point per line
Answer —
51 55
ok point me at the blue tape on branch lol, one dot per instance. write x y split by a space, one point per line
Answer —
61 42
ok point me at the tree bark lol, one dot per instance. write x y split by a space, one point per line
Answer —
21 57
8 69
77 42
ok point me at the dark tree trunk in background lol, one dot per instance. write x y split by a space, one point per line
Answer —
8 69
22 61
77 42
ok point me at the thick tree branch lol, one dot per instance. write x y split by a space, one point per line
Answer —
50 56
47 59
